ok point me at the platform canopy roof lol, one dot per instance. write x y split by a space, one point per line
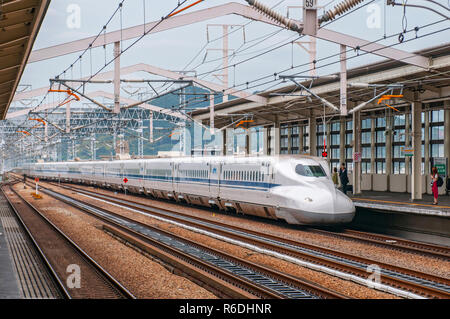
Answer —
284 105
20 21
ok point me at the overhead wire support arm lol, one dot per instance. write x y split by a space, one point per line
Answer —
157 96
87 97
393 3
324 101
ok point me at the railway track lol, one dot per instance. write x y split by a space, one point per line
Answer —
395 243
425 285
63 257
252 279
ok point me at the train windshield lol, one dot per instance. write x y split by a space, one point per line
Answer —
310 170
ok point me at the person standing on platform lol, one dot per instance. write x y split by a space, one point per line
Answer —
434 184
334 177
344 178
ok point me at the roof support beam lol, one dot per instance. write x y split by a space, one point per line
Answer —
134 32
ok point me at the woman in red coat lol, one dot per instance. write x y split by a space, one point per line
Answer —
434 187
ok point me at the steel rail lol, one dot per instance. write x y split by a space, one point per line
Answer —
395 243
387 279
116 286
264 291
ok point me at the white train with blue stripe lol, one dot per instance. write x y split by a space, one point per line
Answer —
297 189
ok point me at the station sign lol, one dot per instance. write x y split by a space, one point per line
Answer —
407 151
441 164
125 180
357 157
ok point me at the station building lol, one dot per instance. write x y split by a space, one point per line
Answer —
378 142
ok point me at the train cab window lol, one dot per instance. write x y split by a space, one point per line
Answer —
310 170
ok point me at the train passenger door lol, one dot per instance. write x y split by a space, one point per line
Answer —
215 169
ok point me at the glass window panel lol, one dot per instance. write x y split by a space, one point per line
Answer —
437 116
348 138
399 120
381 122
381 137
349 125
402 168
335 153
366 123
366 152
437 132
349 153
381 152
295 141
437 150
335 139
399 135
335 126
366 137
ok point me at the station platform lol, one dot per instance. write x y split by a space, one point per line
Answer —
394 214
401 202
10 287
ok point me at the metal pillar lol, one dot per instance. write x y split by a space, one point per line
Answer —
68 117
447 129
300 140
224 142
356 176
117 77
343 123
389 129
407 142
225 60
427 168
327 128
248 141
151 126
211 114
73 149
45 132
266 141
275 138
416 177
312 125
140 131
343 81
93 147
373 149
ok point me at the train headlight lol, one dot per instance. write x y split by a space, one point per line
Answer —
308 199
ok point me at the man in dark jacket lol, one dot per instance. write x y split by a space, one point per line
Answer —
343 177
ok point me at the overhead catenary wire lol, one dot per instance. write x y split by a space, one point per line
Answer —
235 64
180 3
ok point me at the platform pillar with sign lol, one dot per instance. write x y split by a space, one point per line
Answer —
416 177
356 176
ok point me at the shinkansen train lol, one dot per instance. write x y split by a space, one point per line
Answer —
297 189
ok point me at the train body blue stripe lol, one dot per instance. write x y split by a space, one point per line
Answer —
186 180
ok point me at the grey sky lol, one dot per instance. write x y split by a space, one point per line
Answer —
175 48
